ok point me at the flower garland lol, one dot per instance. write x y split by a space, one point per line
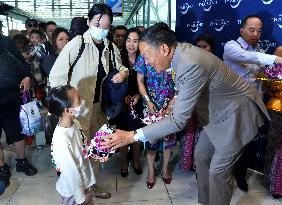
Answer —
133 112
274 72
93 148
157 116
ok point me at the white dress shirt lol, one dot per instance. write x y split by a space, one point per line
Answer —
245 59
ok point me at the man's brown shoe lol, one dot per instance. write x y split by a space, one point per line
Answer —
100 193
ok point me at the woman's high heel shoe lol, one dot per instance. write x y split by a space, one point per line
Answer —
167 181
124 173
138 170
149 184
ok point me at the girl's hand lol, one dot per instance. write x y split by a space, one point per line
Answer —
152 108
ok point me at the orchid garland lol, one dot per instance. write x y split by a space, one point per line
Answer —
93 148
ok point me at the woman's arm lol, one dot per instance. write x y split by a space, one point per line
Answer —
123 71
142 89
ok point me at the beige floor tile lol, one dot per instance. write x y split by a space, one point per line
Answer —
185 201
10 190
36 191
183 185
143 202
255 199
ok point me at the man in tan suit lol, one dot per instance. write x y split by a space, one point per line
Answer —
229 109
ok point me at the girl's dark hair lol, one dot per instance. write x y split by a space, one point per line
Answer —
55 34
124 53
78 26
58 100
207 37
102 9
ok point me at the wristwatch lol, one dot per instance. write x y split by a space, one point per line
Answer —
146 98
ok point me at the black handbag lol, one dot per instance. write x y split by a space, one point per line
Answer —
113 94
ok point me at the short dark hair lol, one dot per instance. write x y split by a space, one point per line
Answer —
207 37
21 40
244 21
120 27
28 21
50 23
42 26
55 34
58 100
102 9
159 34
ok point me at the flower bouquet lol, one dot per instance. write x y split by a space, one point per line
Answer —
271 78
93 148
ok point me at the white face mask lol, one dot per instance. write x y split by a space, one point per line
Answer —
98 33
81 110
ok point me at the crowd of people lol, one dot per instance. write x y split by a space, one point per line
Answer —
67 71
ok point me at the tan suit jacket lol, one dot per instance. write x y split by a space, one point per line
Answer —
229 109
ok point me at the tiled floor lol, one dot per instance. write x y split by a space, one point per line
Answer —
40 189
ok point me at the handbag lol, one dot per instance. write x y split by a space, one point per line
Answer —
113 94
30 117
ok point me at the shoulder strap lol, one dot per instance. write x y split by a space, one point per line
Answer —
81 49
112 52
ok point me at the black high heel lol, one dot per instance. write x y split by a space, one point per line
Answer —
124 173
137 171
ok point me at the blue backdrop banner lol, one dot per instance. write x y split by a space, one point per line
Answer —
116 6
222 18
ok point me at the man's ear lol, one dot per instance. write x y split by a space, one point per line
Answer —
165 49
241 31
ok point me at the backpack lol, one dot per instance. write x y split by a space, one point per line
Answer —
10 73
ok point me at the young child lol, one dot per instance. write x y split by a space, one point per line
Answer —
35 41
76 175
